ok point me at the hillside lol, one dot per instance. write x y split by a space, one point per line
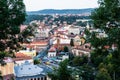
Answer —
63 11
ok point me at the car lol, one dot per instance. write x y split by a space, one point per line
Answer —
48 63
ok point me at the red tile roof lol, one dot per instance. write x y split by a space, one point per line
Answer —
20 59
106 47
21 55
52 49
30 46
39 43
36 43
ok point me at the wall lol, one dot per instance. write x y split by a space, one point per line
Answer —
7 70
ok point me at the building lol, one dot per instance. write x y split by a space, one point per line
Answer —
7 70
60 43
42 32
36 45
52 52
74 30
29 52
21 58
29 71
78 40
81 50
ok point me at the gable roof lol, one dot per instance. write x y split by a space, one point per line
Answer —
52 49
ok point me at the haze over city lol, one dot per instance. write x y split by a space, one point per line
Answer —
34 5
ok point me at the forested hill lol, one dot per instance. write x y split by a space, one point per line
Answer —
62 11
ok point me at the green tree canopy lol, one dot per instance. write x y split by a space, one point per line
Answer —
80 60
103 75
62 73
12 15
36 61
66 49
107 19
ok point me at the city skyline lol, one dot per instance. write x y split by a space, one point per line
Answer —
34 5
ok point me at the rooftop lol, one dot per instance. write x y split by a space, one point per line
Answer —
52 49
8 59
27 69
21 55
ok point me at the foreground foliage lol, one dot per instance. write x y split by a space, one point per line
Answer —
12 15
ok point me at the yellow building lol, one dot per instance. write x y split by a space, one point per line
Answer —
28 52
7 70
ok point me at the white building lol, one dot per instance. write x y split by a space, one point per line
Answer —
21 61
62 41
42 32
29 72
21 58
52 52
74 30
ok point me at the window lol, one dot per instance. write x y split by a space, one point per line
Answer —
41 78
38 78
45 78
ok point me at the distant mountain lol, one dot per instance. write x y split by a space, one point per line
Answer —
63 11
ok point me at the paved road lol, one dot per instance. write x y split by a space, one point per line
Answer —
43 57
41 54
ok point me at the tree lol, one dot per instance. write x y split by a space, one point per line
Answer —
66 49
103 72
62 73
72 42
85 72
80 60
107 11
26 34
36 61
2 55
103 75
1 78
12 15
107 19
98 56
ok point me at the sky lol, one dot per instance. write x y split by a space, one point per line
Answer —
35 5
